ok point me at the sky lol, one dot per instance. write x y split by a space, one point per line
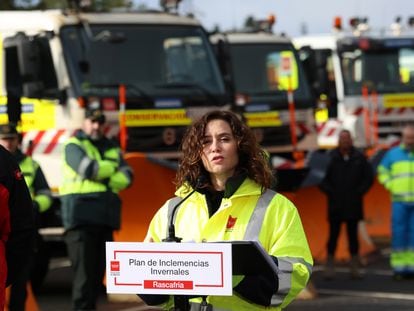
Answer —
292 15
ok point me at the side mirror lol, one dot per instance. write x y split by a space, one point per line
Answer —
29 66
223 55
314 63
307 58
21 65
321 72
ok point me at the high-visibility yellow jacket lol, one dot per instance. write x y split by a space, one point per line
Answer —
396 173
275 224
92 179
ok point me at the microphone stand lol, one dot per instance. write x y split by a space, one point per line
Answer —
171 228
181 302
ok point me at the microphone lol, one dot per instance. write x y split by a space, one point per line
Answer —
171 228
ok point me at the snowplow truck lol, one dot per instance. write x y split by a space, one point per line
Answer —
364 80
269 88
151 72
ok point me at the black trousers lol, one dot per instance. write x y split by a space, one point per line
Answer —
352 233
18 290
21 277
86 250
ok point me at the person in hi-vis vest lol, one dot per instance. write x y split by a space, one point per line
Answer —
396 173
94 172
230 174
42 201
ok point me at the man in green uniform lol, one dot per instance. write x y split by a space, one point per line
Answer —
94 171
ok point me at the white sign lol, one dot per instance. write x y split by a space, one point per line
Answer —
169 268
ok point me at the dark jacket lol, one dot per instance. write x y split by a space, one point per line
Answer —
345 183
20 244
4 234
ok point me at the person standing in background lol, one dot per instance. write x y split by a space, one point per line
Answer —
41 198
348 177
4 234
396 173
94 171
19 248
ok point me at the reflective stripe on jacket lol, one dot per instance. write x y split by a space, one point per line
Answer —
396 173
248 214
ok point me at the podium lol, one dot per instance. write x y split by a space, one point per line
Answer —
183 270
248 258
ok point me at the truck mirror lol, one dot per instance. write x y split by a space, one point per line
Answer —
21 63
321 72
307 58
314 63
29 66
223 57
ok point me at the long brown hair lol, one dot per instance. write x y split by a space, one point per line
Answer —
253 160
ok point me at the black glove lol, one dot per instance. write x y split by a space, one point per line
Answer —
153 300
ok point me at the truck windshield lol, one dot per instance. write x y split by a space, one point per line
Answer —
143 57
386 71
275 69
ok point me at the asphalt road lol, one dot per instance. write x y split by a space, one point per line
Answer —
376 291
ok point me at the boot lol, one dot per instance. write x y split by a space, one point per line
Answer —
329 272
354 268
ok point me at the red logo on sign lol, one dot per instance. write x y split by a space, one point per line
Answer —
231 222
115 265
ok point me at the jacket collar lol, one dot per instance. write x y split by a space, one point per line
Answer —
247 187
